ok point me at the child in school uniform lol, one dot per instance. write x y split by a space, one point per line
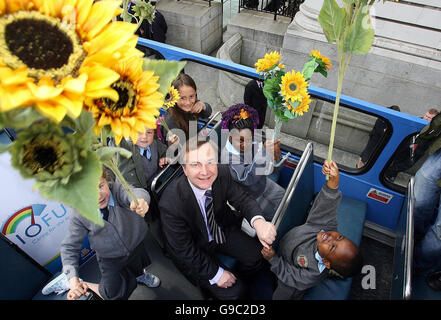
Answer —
120 246
309 251
148 158
249 160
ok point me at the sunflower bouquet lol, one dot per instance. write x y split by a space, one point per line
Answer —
71 81
287 92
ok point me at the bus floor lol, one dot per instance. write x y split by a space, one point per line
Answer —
174 286
373 284
375 281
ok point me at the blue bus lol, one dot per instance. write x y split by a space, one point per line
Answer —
376 212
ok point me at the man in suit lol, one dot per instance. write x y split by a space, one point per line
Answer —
254 97
198 223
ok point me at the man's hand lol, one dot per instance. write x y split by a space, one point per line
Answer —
163 162
266 232
268 253
77 288
331 169
142 207
226 280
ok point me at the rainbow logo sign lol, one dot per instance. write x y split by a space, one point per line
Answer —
31 211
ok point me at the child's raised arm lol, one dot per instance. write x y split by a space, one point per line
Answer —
331 169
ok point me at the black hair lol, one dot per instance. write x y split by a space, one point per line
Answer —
351 268
242 124
394 107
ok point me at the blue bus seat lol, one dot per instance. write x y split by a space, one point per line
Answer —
302 195
351 215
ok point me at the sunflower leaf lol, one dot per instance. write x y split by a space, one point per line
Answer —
107 153
81 193
85 123
358 38
309 68
145 10
281 115
271 88
289 114
332 19
166 70
20 118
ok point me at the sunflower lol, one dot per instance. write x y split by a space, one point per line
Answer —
293 86
325 60
46 153
53 54
171 98
302 107
270 60
135 107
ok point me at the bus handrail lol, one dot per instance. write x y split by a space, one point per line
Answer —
160 174
209 122
407 287
292 185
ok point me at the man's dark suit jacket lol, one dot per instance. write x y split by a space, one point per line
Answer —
184 225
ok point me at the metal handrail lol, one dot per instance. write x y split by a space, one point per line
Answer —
280 212
210 121
408 254
160 174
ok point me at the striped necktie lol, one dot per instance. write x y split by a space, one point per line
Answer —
216 231
147 153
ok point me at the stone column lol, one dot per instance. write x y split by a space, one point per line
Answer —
193 24
403 66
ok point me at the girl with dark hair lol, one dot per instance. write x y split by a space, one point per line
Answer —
188 108
250 160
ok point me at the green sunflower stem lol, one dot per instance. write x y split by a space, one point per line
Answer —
343 66
127 17
277 127
112 166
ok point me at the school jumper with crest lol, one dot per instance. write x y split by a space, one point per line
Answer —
297 267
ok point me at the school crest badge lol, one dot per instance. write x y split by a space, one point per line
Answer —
302 261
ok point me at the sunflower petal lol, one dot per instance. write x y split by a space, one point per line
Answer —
100 77
75 85
12 77
44 91
83 8
55 112
20 96
112 38
73 106
100 15
103 93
